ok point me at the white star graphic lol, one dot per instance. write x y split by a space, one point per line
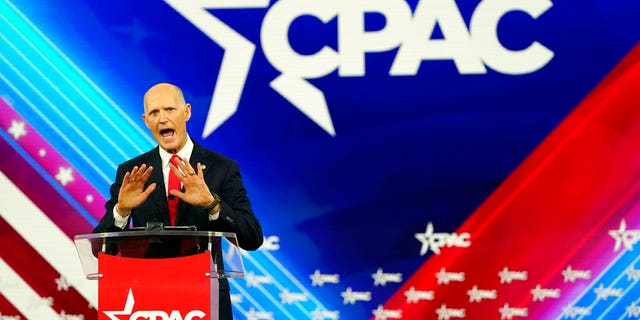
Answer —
624 237
474 294
64 175
618 234
127 310
347 296
504 275
238 55
413 295
316 279
62 284
379 278
424 238
252 314
17 129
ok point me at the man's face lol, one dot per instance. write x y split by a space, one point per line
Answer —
166 116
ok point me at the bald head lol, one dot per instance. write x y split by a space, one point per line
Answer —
165 89
166 114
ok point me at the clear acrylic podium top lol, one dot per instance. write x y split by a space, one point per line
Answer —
159 244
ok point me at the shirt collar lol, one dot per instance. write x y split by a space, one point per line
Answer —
184 153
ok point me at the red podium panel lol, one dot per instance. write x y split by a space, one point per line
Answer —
169 288
159 274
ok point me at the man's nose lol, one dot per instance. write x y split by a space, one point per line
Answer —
163 116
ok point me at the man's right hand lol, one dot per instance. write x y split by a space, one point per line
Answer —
132 192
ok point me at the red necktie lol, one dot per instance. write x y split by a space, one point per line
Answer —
174 184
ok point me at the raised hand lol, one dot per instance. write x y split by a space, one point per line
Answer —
132 192
196 192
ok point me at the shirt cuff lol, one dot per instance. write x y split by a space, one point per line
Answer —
120 221
214 216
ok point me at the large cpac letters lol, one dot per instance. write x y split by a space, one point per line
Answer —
471 48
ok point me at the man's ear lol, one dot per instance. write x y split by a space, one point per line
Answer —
144 118
187 108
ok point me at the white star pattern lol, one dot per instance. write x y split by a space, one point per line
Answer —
89 198
42 153
381 278
413 295
252 314
624 237
64 176
17 129
424 239
62 284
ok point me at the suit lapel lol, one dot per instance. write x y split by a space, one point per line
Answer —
198 156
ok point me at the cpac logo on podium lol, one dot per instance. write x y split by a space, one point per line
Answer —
151 314
472 48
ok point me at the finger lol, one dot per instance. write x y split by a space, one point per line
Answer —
135 174
125 180
149 189
147 173
199 165
184 166
187 169
178 194
177 172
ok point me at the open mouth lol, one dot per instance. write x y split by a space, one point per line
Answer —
167 133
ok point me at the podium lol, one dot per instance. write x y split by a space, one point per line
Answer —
160 274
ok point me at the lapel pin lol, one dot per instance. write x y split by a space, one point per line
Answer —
204 166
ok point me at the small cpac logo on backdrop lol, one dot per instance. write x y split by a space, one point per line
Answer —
445 277
319 279
507 276
507 312
435 241
151 314
624 237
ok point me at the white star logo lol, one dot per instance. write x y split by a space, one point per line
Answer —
624 237
348 296
316 279
379 278
62 284
17 129
413 295
64 176
128 308
252 314
234 69
425 238
474 294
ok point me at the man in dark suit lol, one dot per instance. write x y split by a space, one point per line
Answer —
212 197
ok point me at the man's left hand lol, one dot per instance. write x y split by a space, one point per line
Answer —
196 192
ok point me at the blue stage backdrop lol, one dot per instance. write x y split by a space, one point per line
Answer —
418 159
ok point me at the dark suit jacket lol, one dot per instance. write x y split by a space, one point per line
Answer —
222 177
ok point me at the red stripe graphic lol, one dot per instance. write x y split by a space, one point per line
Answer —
40 276
554 211
8 310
